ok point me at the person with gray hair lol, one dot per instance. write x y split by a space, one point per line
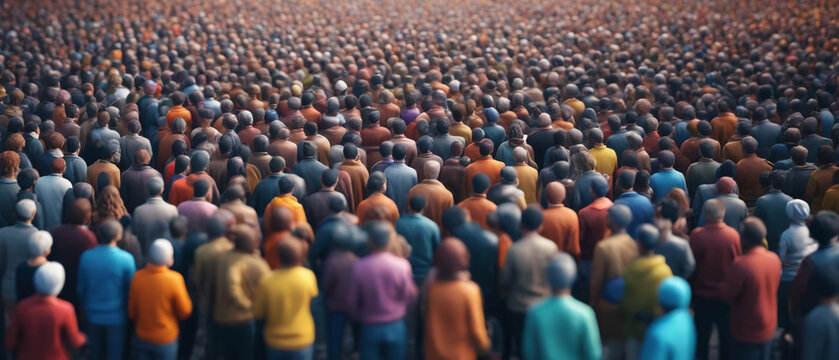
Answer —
151 220
157 301
105 274
38 247
561 314
14 243
44 326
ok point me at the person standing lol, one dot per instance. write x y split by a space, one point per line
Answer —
561 327
44 326
821 326
751 288
158 299
641 277
672 336
105 274
282 302
523 277
714 246
455 327
383 288
238 274
611 256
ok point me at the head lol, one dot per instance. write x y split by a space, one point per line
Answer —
417 203
378 235
243 239
562 272
824 227
752 233
39 244
49 279
619 218
648 237
451 259
531 219
714 211
674 293
161 253
109 232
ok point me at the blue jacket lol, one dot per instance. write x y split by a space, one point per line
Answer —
400 179
772 209
642 210
483 251
105 274
664 181
581 193
424 236
673 335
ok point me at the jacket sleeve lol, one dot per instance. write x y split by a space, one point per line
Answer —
733 284
592 349
70 330
477 324
182 302
530 335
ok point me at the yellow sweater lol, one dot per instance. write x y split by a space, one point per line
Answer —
283 302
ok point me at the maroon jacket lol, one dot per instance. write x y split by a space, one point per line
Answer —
714 246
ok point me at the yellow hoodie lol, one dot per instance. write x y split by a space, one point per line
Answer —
641 277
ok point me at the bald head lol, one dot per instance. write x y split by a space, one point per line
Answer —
555 193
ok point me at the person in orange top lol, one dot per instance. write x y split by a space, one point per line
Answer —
357 171
437 197
723 127
477 204
455 327
158 299
831 196
486 164
308 111
473 151
182 188
377 201
280 219
285 200
179 111
748 172
560 223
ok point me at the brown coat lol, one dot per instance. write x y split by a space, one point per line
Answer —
437 199
358 175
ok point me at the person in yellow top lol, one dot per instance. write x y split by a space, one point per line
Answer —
528 176
607 160
282 302
287 200
455 326
158 299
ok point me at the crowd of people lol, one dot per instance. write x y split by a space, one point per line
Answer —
381 179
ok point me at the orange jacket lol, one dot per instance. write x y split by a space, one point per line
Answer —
157 301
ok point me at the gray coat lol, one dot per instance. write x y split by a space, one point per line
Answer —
151 221
13 241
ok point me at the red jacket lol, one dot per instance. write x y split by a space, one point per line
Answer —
751 287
